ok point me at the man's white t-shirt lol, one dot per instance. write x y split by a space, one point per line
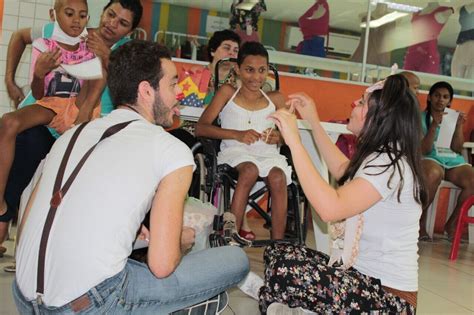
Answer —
388 248
98 219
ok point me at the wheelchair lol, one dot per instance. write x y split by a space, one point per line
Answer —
216 183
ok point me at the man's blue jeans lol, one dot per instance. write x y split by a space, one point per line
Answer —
135 290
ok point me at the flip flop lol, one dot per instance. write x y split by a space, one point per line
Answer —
10 268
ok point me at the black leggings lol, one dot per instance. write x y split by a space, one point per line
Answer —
31 147
300 277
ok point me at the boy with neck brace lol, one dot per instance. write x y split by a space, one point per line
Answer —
56 92
53 87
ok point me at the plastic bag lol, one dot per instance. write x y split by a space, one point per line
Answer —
199 215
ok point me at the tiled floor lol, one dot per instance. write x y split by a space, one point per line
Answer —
445 287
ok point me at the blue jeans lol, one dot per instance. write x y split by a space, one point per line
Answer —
135 290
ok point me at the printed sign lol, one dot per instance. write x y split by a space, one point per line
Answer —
216 23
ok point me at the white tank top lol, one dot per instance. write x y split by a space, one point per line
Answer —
236 117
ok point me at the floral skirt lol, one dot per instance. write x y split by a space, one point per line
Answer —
300 277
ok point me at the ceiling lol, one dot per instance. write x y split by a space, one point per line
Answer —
344 14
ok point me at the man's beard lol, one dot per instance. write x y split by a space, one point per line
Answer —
161 113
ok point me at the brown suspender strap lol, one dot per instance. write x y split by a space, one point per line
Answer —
59 192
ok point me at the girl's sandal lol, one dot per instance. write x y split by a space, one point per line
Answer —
248 235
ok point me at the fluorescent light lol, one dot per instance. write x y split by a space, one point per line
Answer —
398 6
387 18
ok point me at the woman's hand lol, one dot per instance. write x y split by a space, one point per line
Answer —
304 105
82 117
271 136
248 136
462 118
437 118
46 62
286 122
15 93
97 45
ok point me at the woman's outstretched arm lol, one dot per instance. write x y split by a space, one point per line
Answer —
336 161
331 204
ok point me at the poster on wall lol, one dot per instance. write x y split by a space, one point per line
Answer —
216 23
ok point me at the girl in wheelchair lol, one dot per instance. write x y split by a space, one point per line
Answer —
250 141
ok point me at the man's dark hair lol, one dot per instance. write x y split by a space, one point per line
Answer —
134 6
132 63
216 40
251 49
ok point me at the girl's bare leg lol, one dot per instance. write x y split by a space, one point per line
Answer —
434 174
276 182
248 174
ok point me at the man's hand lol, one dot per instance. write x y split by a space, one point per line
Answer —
15 93
144 233
46 62
188 236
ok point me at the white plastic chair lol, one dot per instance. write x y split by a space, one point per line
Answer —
431 212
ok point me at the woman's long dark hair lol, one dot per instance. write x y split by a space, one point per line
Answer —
433 88
392 126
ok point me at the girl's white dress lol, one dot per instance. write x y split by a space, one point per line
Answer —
264 156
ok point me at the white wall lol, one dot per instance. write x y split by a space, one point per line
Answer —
19 14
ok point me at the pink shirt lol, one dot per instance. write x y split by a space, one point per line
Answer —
58 82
